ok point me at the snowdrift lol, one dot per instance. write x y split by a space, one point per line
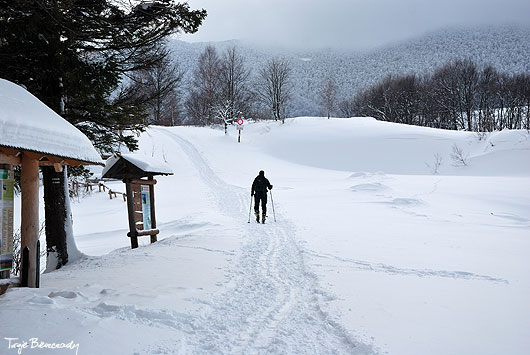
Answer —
364 144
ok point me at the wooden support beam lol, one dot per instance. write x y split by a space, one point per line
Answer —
44 159
29 231
151 232
143 182
153 214
58 167
35 156
130 210
9 159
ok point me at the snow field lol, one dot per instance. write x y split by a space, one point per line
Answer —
371 252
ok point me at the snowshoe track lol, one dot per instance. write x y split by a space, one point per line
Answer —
270 305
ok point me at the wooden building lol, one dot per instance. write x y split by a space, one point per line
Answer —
33 135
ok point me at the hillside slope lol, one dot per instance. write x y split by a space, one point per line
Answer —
506 48
365 144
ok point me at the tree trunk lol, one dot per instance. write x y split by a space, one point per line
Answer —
55 215
469 120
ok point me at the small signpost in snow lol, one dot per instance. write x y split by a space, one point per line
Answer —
239 127
132 169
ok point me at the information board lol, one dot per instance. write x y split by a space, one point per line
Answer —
146 207
6 219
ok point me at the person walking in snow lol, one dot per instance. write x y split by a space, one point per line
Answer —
260 187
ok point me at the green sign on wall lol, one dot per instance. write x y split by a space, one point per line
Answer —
6 219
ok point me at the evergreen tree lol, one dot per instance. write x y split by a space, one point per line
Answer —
73 54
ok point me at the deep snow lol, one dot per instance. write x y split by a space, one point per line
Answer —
371 251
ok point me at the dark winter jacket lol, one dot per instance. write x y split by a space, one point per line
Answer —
260 184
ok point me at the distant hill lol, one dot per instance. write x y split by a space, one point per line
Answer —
507 48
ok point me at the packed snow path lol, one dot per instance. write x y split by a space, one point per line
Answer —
271 302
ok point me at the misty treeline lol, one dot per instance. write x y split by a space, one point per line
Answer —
458 95
220 90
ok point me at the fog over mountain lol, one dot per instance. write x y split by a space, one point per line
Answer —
351 24
504 47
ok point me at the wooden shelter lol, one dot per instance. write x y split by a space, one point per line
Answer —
33 135
137 172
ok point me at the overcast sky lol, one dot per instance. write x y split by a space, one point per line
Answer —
357 24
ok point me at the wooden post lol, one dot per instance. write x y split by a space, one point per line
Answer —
152 202
29 230
24 260
37 255
130 210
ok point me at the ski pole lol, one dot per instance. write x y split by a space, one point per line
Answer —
272 201
250 209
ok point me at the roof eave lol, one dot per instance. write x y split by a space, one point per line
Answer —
12 151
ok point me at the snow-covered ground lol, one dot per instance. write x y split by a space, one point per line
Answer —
371 250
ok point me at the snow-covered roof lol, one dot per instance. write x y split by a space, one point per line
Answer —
146 164
27 123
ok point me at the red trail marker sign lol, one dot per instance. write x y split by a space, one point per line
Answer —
239 127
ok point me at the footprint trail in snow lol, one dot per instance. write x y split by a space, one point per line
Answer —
271 303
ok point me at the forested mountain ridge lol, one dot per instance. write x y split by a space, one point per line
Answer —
505 47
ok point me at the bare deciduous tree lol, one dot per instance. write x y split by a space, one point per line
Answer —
328 95
235 96
347 108
468 83
274 87
435 167
205 88
457 95
458 156
225 112
161 87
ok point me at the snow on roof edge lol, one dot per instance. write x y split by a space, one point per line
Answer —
88 160
27 123
142 162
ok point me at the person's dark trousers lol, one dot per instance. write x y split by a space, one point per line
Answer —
263 199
